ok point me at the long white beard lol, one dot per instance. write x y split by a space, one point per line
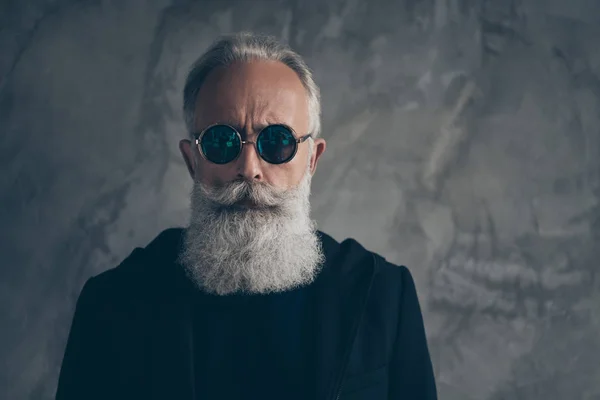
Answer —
230 249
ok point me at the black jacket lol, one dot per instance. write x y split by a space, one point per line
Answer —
132 337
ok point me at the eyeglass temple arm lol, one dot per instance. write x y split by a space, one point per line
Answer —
304 138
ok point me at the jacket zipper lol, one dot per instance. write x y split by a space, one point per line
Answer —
346 359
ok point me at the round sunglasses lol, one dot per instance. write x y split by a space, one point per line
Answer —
222 144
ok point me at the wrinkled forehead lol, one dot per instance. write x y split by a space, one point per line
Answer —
251 96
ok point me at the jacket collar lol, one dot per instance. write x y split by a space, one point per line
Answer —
341 295
341 299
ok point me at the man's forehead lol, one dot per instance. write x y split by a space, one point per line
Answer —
256 76
240 117
260 95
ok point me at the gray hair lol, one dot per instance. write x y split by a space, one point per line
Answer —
244 47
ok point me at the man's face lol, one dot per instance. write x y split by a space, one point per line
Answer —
272 245
250 96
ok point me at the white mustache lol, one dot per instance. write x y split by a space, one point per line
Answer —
242 190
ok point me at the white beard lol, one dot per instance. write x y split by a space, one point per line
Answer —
230 249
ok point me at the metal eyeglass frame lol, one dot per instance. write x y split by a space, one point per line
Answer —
243 142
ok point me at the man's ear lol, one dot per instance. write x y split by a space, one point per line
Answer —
187 152
319 147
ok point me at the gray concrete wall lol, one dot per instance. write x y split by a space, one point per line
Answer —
464 142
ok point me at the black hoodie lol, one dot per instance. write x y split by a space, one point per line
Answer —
143 331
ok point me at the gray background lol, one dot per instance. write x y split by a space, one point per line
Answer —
463 141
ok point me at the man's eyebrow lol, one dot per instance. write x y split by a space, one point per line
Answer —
256 128
273 121
224 122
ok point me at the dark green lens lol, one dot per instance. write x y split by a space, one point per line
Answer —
276 144
220 144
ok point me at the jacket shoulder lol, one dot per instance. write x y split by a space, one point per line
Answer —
391 282
394 277
389 279
389 270
141 265
384 269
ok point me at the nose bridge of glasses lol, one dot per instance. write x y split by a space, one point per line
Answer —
253 149
252 144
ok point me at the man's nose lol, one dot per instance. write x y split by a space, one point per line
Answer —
249 163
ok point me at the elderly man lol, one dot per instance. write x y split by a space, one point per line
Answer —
250 301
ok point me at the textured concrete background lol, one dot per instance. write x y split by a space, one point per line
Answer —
464 142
